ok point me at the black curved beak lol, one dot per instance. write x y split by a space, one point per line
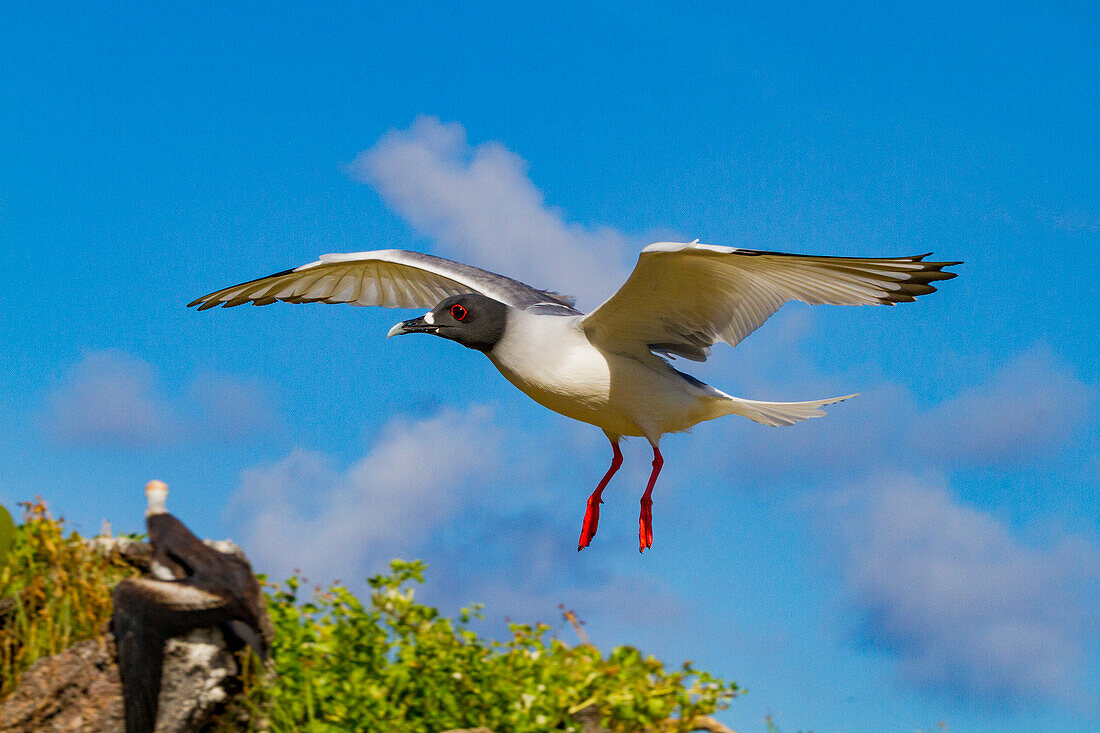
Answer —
416 325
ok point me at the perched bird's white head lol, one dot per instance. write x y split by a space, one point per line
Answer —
156 493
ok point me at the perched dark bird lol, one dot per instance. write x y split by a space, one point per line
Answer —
608 367
195 587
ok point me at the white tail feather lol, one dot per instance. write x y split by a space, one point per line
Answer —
779 413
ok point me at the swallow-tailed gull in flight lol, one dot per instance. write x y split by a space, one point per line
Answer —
608 367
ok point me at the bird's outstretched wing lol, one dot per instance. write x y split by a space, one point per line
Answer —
682 298
391 278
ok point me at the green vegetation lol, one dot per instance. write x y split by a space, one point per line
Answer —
398 665
54 592
7 531
341 664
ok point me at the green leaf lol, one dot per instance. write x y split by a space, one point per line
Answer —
7 532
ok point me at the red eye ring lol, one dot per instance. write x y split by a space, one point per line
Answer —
458 312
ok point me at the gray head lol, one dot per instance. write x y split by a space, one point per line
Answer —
471 319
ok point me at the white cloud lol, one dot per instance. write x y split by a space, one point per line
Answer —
110 399
1029 406
965 606
227 408
480 205
301 513
470 498
962 604
527 563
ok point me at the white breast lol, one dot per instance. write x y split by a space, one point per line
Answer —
550 359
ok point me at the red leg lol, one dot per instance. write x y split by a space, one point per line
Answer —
592 512
645 520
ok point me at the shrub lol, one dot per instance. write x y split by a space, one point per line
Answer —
397 665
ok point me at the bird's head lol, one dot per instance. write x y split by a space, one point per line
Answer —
156 494
471 319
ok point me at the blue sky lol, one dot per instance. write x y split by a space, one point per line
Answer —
928 552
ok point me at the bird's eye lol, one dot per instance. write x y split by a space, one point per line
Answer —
458 312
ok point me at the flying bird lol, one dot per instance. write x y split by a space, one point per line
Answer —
610 367
195 586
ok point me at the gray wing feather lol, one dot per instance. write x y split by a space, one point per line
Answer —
389 278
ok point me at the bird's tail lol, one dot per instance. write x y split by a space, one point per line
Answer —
778 413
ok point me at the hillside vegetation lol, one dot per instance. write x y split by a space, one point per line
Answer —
345 664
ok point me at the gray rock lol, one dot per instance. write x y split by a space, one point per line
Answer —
195 669
78 690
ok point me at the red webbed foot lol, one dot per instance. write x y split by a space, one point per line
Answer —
591 522
645 526
645 519
592 512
